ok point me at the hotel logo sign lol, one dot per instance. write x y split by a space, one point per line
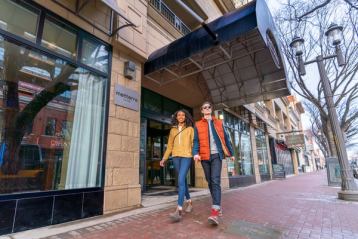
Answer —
126 97
272 46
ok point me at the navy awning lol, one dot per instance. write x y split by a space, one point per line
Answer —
244 65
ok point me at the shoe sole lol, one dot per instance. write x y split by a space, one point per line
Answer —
175 219
213 222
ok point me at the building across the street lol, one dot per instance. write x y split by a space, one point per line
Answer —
87 90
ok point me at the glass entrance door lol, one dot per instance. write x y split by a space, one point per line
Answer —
157 137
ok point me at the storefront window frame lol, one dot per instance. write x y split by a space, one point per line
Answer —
37 47
239 125
76 62
260 137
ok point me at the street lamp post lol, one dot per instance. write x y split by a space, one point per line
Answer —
349 189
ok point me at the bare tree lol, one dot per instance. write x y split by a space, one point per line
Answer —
310 19
316 128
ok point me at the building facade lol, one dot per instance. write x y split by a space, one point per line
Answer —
86 101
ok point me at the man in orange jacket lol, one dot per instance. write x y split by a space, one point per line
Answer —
211 145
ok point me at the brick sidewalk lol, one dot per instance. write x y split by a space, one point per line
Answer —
298 207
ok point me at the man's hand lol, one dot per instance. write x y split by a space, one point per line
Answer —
232 158
162 163
197 158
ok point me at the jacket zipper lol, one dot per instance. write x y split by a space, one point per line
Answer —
179 137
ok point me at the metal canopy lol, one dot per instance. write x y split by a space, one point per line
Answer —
243 66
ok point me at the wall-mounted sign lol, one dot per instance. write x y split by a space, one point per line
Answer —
296 140
126 97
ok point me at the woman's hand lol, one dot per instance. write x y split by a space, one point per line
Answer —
162 163
197 158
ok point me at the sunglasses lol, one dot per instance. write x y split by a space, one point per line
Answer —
208 107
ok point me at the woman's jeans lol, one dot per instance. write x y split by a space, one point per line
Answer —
212 171
182 166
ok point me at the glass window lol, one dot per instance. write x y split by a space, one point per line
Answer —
262 152
50 127
241 145
246 155
59 37
169 107
95 55
19 20
37 93
151 102
66 127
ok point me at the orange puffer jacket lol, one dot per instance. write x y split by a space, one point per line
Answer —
202 127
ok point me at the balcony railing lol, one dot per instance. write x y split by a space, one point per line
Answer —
165 11
240 3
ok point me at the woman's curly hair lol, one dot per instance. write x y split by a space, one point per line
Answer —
188 118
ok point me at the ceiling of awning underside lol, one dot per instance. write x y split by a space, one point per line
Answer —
238 72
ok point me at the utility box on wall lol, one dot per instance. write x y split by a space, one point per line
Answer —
129 70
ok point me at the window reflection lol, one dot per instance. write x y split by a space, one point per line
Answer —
95 55
19 20
59 38
240 137
262 152
50 127
51 122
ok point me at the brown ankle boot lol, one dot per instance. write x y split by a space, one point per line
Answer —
176 216
188 206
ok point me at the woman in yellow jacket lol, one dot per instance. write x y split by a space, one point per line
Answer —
180 145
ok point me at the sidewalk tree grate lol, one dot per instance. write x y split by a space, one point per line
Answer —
252 230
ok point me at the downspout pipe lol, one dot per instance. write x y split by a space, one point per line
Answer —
213 35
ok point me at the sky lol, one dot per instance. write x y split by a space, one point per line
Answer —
312 73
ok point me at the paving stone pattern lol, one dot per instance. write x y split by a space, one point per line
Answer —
301 207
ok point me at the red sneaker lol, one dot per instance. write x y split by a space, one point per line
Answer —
220 212
214 217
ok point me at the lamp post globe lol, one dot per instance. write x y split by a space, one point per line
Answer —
297 45
334 34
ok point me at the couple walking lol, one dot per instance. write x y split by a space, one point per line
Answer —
207 142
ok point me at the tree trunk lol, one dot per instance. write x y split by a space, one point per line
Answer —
327 130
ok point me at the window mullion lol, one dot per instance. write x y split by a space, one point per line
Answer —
79 46
40 27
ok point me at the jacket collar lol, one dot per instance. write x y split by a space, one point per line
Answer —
213 118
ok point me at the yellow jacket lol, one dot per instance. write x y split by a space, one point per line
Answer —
180 144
